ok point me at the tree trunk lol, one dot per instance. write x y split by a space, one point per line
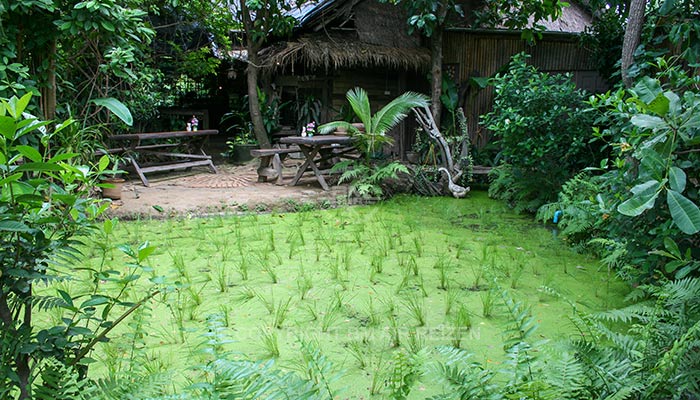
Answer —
252 73
633 33
48 93
436 73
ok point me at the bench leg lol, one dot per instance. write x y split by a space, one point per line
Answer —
262 168
277 166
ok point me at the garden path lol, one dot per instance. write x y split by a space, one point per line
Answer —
233 189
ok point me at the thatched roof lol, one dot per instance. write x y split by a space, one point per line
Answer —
342 51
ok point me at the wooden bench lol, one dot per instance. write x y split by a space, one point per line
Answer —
271 163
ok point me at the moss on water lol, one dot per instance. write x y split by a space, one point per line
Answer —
364 273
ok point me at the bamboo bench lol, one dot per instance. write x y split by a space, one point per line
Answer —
271 162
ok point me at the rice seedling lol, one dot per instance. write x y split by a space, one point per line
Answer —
373 316
270 343
242 268
271 239
281 313
224 310
377 263
418 246
358 351
416 309
304 285
394 336
487 303
516 275
178 261
450 299
267 302
346 257
311 310
378 374
221 278
415 342
330 316
413 265
443 278
461 323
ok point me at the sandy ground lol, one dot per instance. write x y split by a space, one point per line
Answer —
234 189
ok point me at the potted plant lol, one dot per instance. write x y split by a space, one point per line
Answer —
111 180
239 148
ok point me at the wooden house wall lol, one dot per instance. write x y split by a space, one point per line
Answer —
468 54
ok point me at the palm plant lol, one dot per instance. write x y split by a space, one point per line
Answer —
376 126
365 177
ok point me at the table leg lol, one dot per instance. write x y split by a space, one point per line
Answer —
309 154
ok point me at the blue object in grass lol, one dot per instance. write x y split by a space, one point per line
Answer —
557 216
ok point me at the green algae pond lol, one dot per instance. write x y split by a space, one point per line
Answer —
361 284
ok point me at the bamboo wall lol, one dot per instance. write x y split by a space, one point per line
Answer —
470 54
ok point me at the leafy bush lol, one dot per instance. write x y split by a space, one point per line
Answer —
645 201
543 131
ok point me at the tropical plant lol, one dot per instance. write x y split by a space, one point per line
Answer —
543 132
376 126
365 175
45 212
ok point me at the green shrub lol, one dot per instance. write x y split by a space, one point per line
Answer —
643 202
539 122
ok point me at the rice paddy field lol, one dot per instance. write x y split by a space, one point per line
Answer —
361 285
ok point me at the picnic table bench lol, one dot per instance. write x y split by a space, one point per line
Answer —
158 145
271 162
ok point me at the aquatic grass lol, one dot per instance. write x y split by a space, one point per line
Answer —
450 299
270 343
359 352
418 245
415 342
461 323
487 302
330 316
304 285
416 309
373 316
281 313
267 301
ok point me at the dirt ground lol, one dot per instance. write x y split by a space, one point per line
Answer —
234 189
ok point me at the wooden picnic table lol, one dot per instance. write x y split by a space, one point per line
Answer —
327 147
161 144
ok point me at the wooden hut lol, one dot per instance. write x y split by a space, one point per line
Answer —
341 44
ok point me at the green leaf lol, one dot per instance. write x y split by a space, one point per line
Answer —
29 152
22 103
7 127
145 250
66 297
660 105
62 157
103 164
648 122
684 212
11 178
14 226
39 166
647 89
117 107
644 197
672 247
95 300
677 179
